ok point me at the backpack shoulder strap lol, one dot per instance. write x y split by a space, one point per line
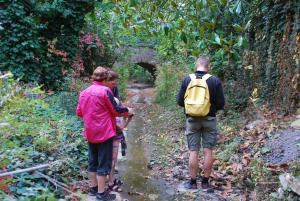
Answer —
192 76
206 76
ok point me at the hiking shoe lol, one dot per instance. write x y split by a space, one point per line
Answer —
93 191
106 196
190 185
206 187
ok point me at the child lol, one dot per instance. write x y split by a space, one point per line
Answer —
114 184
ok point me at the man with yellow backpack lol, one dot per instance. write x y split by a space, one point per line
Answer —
201 95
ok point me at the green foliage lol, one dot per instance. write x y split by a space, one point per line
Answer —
122 81
168 82
139 74
39 39
259 172
229 150
195 26
240 36
37 132
28 187
65 100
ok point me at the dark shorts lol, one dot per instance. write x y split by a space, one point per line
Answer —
119 135
201 132
100 157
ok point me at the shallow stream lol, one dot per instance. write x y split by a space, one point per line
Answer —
133 169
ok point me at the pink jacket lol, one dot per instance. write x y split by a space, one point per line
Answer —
99 110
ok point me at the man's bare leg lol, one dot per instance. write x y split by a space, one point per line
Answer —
207 167
208 162
193 164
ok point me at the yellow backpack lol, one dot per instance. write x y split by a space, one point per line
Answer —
196 98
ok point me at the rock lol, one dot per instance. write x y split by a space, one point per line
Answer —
296 124
181 189
254 124
283 181
289 181
153 197
284 147
179 172
280 193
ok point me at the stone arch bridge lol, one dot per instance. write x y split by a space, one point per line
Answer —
142 56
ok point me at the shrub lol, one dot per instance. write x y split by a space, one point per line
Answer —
39 39
37 132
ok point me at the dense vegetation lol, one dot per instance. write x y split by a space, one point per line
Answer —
39 39
36 129
254 45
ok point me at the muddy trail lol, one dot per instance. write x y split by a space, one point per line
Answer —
133 169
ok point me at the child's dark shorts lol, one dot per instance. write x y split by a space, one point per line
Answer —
100 157
119 135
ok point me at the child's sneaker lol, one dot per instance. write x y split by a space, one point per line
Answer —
206 187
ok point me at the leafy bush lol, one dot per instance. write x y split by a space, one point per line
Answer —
37 132
168 79
122 81
39 39
139 74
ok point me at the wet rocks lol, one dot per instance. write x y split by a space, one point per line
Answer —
284 147
289 181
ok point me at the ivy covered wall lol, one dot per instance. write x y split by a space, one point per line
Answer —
39 39
271 64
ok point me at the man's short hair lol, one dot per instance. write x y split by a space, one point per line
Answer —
203 61
111 75
100 74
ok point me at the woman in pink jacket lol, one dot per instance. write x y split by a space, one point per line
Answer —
98 109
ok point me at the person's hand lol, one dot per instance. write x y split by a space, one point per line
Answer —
130 112
121 127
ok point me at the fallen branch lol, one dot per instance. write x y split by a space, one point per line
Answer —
24 170
49 178
56 183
